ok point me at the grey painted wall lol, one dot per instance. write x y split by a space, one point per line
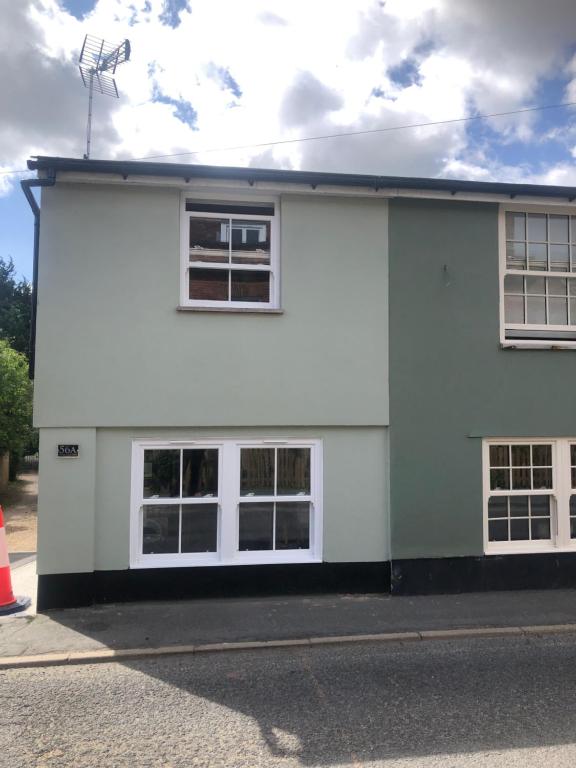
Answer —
450 382
84 510
112 350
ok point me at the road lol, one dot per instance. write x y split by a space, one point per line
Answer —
485 702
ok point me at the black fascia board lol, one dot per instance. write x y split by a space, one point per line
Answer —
127 168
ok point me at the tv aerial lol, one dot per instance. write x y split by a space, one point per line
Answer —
97 63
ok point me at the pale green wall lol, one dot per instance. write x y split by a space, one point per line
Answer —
66 502
113 351
74 535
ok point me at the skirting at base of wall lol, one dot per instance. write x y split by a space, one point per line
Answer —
69 590
480 574
408 577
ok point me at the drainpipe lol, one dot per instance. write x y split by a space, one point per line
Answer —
27 185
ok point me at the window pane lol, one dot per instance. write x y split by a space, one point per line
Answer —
519 530
557 286
257 472
521 479
573 455
536 310
293 471
542 455
542 478
558 228
161 474
516 255
540 506
160 530
572 287
250 286
514 309
537 231
250 242
209 284
520 455
199 527
559 258
515 226
499 479
498 530
514 284
293 525
572 311
256 523
537 256
540 529
536 286
573 477
498 506
573 527
200 472
209 240
499 456
519 506
558 311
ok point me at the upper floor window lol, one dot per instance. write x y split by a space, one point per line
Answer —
230 256
539 275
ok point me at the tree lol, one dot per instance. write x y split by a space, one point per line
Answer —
15 307
16 432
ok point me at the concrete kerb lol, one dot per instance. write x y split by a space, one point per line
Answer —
107 655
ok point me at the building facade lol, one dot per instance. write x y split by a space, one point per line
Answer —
269 381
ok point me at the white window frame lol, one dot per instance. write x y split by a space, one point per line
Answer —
503 271
560 498
273 268
228 505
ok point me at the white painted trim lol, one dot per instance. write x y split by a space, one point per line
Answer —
236 186
560 496
228 500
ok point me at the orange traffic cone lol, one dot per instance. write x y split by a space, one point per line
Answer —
8 603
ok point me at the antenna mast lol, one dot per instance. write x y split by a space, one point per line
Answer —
97 63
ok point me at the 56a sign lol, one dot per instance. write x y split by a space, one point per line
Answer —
67 451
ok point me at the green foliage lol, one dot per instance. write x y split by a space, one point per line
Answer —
16 432
15 307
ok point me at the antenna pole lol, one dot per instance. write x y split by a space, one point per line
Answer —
89 127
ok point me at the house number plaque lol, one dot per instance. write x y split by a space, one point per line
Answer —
67 451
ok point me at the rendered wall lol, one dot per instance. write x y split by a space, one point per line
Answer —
450 381
112 349
85 503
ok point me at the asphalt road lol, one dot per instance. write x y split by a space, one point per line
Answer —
488 702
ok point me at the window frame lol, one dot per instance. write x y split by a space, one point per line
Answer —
273 268
228 505
546 338
560 493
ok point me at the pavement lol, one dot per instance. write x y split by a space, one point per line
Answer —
132 630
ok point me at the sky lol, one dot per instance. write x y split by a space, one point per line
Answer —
209 75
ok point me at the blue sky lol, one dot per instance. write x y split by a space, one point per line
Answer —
212 74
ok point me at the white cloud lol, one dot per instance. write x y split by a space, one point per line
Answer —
303 69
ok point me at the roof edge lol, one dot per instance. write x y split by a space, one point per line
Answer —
128 168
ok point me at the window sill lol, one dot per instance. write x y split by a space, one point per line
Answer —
244 558
527 550
233 310
537 344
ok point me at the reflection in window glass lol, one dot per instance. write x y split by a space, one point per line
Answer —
209 284
161 474
293 525
209 240
250 286
200 472
257 472
199 527
250 242
255 526
293 471
160 529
